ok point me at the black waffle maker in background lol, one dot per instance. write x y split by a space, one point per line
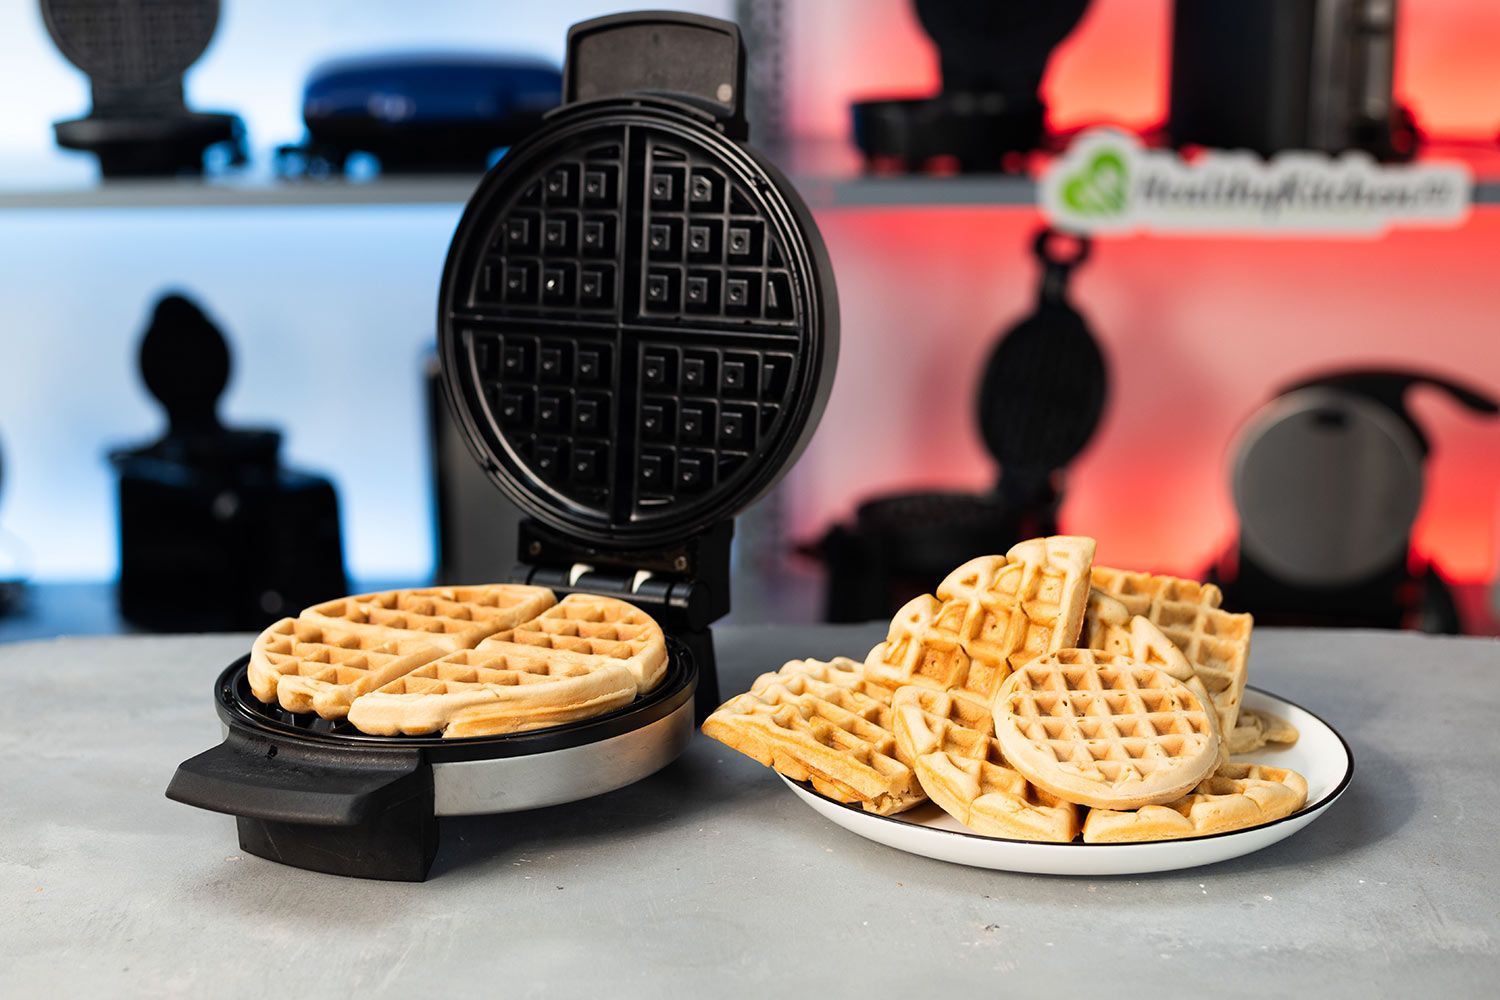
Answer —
1039 401
135 53
637 329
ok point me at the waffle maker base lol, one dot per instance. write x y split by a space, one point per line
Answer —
323 796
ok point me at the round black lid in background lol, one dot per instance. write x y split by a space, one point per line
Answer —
637 324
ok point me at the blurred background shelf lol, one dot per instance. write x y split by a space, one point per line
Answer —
822 190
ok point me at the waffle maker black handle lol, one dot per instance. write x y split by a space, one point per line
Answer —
361 813
686 56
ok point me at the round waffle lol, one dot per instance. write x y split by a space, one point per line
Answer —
1102 730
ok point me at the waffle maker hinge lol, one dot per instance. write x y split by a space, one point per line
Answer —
683 585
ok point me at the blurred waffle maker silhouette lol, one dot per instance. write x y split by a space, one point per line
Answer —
993 56
419 112
135 53
215 535
1040 399
1327 480
637 330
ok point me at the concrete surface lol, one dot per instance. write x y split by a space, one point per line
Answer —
712 879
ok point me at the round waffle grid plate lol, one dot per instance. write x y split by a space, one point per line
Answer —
1320 755
637 328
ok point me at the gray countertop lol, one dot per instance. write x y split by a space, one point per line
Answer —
710 878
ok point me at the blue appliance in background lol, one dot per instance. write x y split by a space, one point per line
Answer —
420 113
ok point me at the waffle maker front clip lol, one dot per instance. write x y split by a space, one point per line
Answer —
638 329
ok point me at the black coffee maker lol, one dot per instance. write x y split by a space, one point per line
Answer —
215 535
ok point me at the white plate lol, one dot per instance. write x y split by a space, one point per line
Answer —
1320 755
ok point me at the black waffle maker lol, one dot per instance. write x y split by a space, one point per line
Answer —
638 329
135 53
1040 400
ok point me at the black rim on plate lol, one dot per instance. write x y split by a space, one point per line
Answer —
1325 800
237 706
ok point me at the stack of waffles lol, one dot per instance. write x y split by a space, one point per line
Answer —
1034 696
460 661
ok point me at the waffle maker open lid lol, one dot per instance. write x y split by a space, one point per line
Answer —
638 329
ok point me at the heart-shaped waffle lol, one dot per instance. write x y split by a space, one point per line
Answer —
1234 797
990 616
506 689
1104 731
310 667
447 617
826 733
947 737
590 625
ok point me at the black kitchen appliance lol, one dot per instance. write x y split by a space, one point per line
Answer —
215 535
993 56
427 113
1287 74
135 53
1327 482
1039 401
637 330
12 586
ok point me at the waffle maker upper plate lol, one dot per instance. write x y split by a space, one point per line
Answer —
637 326
638 329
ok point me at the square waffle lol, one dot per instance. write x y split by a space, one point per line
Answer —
1214 641
1100 730
1234 797
447 617
508 689
835 737
991 615
310 667
591 626
947 737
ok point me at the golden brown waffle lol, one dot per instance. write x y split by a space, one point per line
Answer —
308 667
947 737
839 671
927 720
1100 730
593 626
1255 729
1214 641
834 737
1141 592
990 616
1235 797
1109 626
448 617
508 689
994 800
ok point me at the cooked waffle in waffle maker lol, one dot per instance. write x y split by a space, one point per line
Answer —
637 330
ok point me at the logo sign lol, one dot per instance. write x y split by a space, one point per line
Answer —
1107 182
